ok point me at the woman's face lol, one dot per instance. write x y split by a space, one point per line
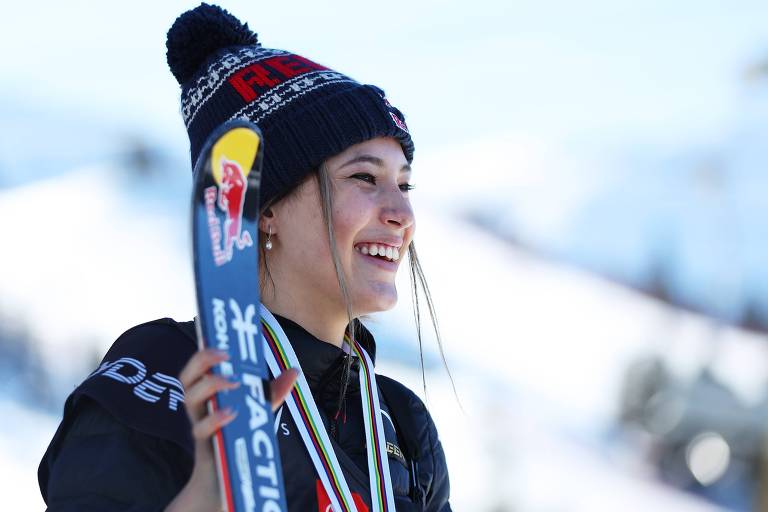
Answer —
372 214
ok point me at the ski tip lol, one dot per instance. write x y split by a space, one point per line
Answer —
240 141
238 147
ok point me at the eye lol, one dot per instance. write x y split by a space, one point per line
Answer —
364 176
370 178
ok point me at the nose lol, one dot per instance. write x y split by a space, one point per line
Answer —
397 211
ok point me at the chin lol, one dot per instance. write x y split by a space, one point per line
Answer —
383 298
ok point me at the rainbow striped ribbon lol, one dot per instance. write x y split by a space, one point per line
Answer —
280 356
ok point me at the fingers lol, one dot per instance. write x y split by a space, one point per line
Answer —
206 427
199 364
282 385
204 389
199 384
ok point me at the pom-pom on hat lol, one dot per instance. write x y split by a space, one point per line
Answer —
306 111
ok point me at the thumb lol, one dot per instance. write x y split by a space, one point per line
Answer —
282 385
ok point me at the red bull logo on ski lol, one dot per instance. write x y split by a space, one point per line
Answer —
231 159
227 197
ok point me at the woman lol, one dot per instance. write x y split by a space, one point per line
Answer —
336 222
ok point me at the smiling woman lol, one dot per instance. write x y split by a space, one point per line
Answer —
366 193
335 225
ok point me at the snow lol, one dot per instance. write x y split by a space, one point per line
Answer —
85 254
24 434
537 350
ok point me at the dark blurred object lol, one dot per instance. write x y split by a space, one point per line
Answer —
701 436
757 72
142 160
22 373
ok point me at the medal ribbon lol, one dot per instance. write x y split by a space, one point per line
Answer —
280 356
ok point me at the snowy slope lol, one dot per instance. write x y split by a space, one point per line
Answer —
537 350
85 252
539 353
24 434
691 211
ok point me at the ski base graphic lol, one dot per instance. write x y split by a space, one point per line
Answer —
225 212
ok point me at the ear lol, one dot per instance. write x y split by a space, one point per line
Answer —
267 220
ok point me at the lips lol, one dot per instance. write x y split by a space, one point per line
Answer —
379 261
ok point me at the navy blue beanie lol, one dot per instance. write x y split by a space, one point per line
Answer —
306 111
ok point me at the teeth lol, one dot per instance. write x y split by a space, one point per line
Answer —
391 253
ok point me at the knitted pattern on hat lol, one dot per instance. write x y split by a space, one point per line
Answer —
306 111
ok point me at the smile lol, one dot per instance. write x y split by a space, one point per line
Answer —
385 252
380 259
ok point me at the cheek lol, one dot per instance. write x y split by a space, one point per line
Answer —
349 218
305 237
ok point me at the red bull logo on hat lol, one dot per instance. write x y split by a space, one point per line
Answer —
231 158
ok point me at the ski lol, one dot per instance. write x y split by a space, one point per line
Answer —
225 213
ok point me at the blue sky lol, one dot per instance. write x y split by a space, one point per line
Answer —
591 72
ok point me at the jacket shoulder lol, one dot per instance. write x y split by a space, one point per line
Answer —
101 464
163 335
133 394
421 439
137 381
410 410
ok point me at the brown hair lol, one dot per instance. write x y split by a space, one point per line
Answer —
417 278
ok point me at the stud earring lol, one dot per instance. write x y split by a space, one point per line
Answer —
268 243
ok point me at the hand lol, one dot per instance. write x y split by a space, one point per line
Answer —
202 491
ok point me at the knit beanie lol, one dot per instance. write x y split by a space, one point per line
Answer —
307 112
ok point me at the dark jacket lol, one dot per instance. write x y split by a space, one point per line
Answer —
124 443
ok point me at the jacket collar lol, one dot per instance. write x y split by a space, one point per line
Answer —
320 360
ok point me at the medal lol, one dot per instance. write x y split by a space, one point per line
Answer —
280 356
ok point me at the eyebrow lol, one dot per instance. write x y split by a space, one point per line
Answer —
378 162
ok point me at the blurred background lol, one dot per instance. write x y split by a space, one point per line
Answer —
592 218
